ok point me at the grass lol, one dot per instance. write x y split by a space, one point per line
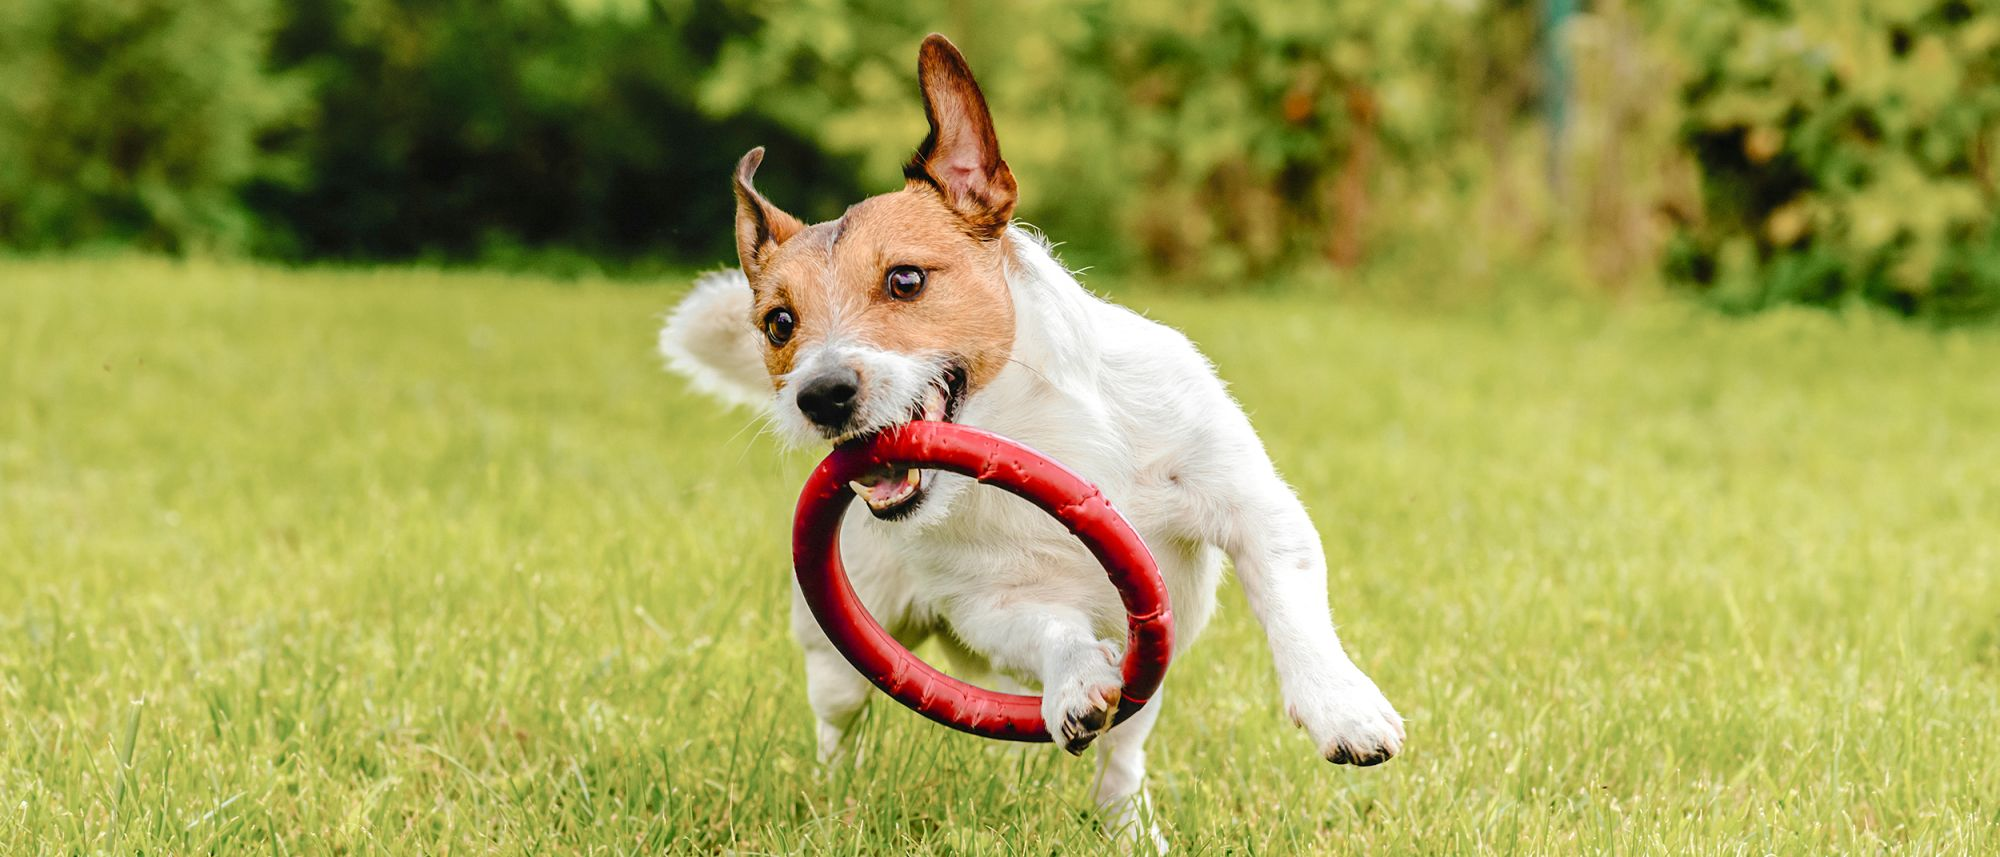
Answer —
402 562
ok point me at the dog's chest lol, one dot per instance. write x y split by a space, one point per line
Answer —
998 535
994 536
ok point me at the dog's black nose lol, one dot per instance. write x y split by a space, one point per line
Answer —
828 400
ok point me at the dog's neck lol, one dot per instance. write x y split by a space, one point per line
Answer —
1051 393
1053 334
1049 396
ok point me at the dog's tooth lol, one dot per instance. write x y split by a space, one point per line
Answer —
934 402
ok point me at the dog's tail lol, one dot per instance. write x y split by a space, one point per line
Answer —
709 341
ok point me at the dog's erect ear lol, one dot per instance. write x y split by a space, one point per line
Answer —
961 157
760 226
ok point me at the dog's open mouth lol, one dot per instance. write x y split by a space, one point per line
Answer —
893 492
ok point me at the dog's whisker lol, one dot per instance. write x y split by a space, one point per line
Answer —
1038 372
753 422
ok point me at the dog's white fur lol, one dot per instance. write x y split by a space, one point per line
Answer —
1132 406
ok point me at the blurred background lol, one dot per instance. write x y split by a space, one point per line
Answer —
1751 153
322 530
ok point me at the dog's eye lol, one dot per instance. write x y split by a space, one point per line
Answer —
778 325
904 283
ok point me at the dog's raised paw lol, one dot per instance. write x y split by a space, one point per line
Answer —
1351 722
1080 727
1078 707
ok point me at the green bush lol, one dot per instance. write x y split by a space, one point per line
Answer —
482 131
1759 151
1850 150
1763 152
135 121
1222 139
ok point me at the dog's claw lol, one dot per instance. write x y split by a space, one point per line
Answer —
1372 761
1078 708
1343 755
1081 728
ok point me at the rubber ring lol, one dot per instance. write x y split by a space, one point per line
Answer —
1002 463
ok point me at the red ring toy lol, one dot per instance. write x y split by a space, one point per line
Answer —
992 460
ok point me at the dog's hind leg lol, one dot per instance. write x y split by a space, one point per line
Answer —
836 691
838 695
1120 789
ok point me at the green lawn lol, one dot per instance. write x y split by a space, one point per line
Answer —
320 562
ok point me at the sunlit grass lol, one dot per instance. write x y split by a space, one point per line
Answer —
304 562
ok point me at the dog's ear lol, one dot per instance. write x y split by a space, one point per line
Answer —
760 226
961 157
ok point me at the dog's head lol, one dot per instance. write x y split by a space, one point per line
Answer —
899 310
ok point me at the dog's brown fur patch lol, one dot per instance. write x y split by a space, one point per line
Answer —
831 277
949 220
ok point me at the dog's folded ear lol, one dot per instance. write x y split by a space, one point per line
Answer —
760 226
961 157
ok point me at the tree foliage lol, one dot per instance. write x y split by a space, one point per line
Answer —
135 121
469 130
1760 151
1849 149
1214 137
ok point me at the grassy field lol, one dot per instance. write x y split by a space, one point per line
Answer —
404 562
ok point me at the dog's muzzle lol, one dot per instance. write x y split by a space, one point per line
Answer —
828 399
894 492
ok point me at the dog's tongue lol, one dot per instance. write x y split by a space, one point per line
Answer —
884 488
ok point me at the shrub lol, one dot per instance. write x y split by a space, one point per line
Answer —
1759 151
493 132
1849 152
1223 139
135 121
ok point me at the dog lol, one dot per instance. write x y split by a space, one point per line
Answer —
930 303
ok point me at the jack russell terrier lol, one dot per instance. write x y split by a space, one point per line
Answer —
930 303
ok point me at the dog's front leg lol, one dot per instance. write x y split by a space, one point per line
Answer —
1270 538
1054 643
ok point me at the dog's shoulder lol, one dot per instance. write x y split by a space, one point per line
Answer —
1144 345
